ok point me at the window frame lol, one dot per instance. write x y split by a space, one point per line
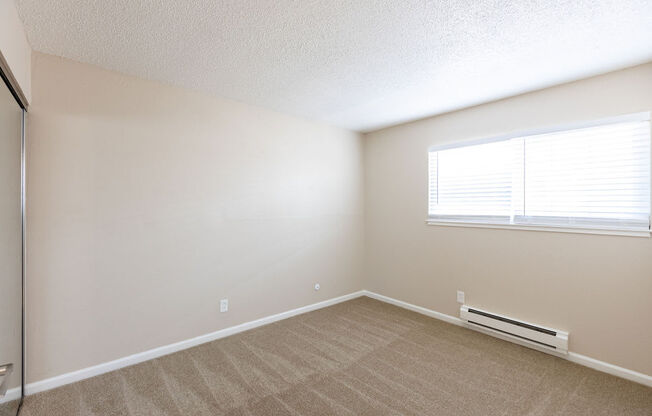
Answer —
487 223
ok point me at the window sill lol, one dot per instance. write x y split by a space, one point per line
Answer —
626 233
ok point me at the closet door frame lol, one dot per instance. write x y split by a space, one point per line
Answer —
22 103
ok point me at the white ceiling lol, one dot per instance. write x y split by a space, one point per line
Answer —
359 64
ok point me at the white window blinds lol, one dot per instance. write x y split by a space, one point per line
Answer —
595 177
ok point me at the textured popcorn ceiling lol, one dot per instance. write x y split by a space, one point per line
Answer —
360 64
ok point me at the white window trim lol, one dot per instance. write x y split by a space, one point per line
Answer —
626 233
641 116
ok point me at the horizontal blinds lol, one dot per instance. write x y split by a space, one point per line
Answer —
474 180
595 177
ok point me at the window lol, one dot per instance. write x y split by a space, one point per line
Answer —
590 177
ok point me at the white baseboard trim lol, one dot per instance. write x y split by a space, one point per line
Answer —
67 378
11 394
424 311
614 370
455 321
571 356
88 372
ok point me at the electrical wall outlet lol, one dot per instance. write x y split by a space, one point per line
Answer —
224 305
317 287
460 296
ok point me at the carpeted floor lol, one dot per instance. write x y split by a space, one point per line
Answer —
9 408
361 357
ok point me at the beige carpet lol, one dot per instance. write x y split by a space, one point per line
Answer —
361 357
9 408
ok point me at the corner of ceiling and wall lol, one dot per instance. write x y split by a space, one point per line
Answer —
15 51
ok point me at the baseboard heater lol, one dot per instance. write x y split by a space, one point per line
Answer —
521 332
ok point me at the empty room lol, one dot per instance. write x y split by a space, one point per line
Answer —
300 207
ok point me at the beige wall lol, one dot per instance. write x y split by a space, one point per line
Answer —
597 287
147 204
15 52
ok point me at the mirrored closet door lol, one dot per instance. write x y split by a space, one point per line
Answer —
11 251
